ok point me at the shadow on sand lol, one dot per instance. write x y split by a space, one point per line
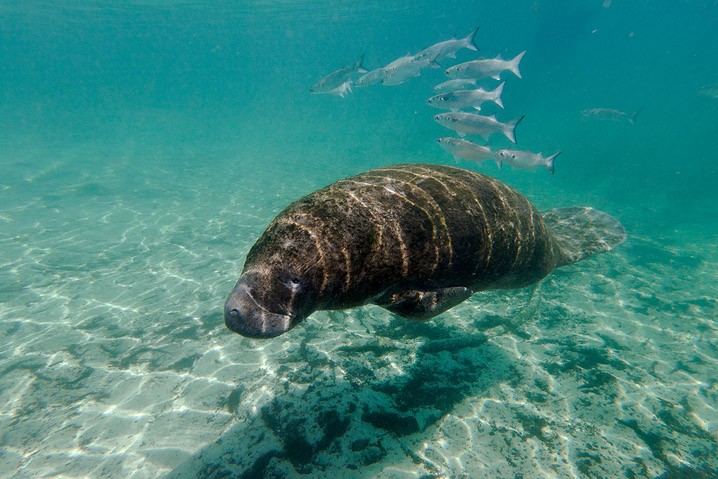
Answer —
333 414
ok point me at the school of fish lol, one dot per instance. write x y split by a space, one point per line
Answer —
461 92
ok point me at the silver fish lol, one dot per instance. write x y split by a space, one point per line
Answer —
463 123
526 160
333 83
709 91
377 75
488 68
447 49
371 78
396 72
455 100
455 84
403 72
467 150
611 114
398 62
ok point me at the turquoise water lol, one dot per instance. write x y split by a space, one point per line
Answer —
144 147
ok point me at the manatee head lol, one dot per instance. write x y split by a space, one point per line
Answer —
278 288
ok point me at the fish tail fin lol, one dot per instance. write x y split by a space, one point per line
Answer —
433 63
497 92
514 67
470 40
510 129
549 162
632 116
581 232
358 65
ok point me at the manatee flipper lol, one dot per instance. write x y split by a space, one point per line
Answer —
415 304
581 232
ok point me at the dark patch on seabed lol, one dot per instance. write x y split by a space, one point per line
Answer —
688 472
319 417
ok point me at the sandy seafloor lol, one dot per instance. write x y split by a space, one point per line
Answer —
115 360
124 224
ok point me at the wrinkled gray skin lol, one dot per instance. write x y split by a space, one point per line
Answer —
415 239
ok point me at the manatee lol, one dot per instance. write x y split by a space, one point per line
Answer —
416 239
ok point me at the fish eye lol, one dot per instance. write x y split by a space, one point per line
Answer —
296 280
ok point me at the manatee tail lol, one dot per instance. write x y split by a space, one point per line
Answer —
582 232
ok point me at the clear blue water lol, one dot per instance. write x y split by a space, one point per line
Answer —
145 146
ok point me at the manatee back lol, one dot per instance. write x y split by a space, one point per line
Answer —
581 231
412 226
431 226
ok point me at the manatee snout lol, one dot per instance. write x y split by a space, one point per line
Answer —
244 315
